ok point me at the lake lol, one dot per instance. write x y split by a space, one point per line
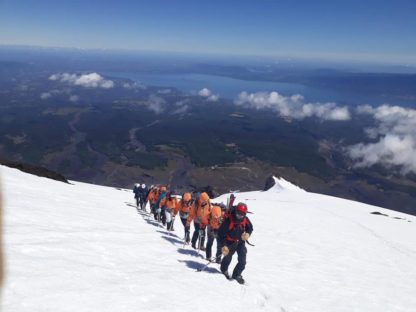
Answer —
229 88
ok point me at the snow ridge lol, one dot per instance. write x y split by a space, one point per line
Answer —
283 185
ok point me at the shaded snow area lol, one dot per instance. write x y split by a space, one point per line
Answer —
84 247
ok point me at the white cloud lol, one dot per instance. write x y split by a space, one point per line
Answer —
45 95
394 135
292 106
134 85
204 92
182 107
49 94
156 104
54 77
208 94
92 80
74 98
164 91
213 98
181 110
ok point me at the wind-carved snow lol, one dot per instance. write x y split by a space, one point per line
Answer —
84 247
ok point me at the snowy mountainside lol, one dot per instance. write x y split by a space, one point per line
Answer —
84 247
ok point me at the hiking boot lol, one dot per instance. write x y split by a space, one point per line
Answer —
193 246
226 274
239 279
218 260
203 248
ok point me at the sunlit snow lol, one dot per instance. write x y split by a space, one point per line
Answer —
82 247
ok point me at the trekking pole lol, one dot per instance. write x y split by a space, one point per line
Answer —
250 243
171 224
184 239
199 241
171 227
186 236
212 260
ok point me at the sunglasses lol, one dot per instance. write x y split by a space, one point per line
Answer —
203 204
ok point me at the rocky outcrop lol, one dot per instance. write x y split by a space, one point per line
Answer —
270 182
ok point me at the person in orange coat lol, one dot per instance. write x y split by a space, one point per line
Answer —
152 198
199 214
169 205
215 219
184 207
160 210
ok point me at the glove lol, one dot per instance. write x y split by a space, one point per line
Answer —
245 236
225 251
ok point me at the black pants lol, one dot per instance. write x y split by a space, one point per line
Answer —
196 235
163 216
141 202
240 248
153 209
212 235
187 231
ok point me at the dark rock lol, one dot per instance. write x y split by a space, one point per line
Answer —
379 213
36 170
269 183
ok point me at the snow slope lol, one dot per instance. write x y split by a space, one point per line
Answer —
84 247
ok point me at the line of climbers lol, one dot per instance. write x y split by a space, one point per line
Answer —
228 225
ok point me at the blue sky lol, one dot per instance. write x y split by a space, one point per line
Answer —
380 30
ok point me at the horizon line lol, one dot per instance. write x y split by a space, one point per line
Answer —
329 58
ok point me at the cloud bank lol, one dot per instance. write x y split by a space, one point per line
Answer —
92 80
395 139
292 106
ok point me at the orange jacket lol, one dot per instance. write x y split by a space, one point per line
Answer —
200 213
183 209
215 217
170 204
153 196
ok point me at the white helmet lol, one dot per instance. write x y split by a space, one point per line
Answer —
137 185
143 185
